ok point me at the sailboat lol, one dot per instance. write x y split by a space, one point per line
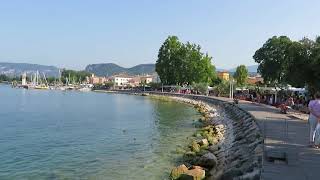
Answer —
37 82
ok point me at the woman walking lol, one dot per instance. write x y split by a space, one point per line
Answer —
314 119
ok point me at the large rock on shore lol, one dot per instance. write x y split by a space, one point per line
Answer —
178 171
207 160
183 173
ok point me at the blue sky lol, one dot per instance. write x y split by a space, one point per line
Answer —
75 33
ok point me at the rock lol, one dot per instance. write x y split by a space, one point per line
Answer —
190 153
195 147
178 171
203 142
198 124
195 173
231 174
212 140
259 150
180 150
197 134
207 160
213 148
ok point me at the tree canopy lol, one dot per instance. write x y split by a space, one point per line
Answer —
74 76
283 61
180 63
272 57
241 75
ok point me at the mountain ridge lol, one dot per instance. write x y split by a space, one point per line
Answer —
100 69
109 69
17 69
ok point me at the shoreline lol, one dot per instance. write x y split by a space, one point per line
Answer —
228 145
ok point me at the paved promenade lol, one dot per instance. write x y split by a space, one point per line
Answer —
286 144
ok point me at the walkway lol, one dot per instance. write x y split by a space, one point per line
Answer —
301 162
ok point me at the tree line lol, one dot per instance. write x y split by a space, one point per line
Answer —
283 61
73 76
70 76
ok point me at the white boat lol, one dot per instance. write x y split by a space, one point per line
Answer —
85 89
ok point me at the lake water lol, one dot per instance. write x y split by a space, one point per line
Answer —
75 135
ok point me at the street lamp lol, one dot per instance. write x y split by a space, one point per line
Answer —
231 80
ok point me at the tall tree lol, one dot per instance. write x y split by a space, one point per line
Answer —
180 63
297 64
168 59
272 58
241 75
290 62
313 81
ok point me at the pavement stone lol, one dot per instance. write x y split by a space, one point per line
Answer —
303 162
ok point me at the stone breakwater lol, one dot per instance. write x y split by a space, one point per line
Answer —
228 145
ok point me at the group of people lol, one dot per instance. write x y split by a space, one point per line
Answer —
314 121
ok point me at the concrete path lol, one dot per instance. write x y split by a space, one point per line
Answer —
286 137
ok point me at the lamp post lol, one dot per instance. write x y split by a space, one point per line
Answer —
231 88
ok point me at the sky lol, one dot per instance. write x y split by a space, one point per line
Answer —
75 33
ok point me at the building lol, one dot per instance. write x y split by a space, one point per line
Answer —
134 81
224 75
254 80
146 79
96 80
121 80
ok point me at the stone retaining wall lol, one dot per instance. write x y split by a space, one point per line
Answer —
240 153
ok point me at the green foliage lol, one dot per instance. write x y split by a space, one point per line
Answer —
4 78
215 81
155 85
180 63
282 61
272 58
74 76
200 87
241 75
52 80
222 88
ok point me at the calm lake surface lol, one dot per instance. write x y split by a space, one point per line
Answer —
75 135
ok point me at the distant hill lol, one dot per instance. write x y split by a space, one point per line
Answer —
251 69
109 69
16 69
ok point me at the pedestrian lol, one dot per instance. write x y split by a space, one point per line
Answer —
314 120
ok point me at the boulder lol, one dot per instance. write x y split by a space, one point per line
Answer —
213 148
178 171
195 147
213 140
207 160
203 142
259 150
195 173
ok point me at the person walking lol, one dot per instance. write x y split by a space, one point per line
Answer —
314 120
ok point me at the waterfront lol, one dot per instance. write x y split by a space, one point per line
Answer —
57 134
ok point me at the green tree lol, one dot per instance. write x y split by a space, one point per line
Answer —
290 62
74 76
313 80
168 60
180 63
200 87
3 77
241 75
272 58
222 88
